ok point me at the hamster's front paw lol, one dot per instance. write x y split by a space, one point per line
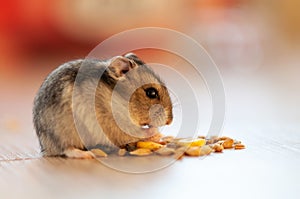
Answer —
77 153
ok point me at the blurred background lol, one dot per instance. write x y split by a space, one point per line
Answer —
255 44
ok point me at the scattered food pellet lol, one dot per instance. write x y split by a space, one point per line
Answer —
193 151
164 151
122 152
191 142
239 146
228 143
98 153
217 147
177 147
141 152
205 150
149 145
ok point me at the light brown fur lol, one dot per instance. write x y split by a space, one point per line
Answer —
72 115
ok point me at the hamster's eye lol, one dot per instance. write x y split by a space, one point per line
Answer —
152 93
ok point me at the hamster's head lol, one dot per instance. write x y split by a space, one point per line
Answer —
142 91
150 106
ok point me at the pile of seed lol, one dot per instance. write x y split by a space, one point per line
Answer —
177 147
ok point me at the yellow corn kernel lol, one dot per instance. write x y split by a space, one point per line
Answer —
141 152
149 145
192 142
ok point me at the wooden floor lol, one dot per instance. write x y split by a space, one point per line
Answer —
268 168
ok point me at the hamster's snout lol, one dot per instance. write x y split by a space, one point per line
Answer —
159 116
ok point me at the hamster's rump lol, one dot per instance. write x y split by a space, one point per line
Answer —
87 103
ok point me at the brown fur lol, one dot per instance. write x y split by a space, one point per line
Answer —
74 111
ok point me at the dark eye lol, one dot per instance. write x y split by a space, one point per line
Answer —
152 93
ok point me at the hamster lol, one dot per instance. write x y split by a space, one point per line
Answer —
129 102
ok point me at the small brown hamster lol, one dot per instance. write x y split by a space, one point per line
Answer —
127 104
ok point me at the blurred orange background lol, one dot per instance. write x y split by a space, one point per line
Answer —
62 29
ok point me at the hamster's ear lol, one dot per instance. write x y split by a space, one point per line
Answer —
119 66
135 58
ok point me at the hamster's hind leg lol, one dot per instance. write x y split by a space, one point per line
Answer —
77 153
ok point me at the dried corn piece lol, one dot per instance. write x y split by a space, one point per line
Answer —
191 142
193 151
149 145
122 152
228 143
217 147
165 151
141 152
205 150
239 146
98 153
